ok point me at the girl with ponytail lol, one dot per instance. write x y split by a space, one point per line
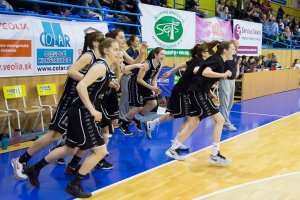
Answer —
143 89
178 105
201 103
58 124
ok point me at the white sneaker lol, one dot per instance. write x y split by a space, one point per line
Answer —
182 146
174 154
150 126
18 169
229 128
219 160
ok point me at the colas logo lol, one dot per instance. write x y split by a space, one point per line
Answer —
168 29
53 35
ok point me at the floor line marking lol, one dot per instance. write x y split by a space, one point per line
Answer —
245 184
168 163
257 114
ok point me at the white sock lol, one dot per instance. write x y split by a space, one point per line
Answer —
176 144
215 148
138 117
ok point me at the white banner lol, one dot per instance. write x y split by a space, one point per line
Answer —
249 35
42 46
16 47
167 28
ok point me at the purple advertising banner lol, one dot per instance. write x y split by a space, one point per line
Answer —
212 29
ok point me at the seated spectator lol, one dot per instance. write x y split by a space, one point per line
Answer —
7 5
107 3
272 28
219 7
256 3
264 60
233 11
244 66
251 64
296 32
296 64
225 13
273 64
281 25
259 63
194 7
266 6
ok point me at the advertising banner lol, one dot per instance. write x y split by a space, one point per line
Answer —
16 47
249 35
167 84
212 29
38 46
167 28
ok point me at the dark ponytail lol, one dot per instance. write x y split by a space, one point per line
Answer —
89 38
113 34
222 46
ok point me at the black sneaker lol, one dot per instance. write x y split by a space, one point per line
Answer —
104 164
33 175
77 191
138 124
124 128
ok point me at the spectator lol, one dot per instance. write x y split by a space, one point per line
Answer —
219 7
251 64
266 6
273 63
256 3
7 5
272 29
296 64
233 11
281 25
280 13
193 6
260 66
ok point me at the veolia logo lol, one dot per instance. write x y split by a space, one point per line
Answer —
53 35
168 29
237 31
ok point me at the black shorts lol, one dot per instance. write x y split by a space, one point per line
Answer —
201 105
59 121
179 103
82 131
111 105
138 94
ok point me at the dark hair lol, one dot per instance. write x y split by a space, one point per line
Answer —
295 62
113 34
222 46
152 53
131 39
89 38
198 49
106 43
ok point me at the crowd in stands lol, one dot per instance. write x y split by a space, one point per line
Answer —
280 27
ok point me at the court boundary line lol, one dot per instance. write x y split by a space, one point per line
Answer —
262 114
246 184
168 163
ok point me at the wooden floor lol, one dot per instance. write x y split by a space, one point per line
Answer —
267 151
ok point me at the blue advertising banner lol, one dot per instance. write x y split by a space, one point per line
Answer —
282 2
167 84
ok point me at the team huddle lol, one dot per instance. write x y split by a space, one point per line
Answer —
90 109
